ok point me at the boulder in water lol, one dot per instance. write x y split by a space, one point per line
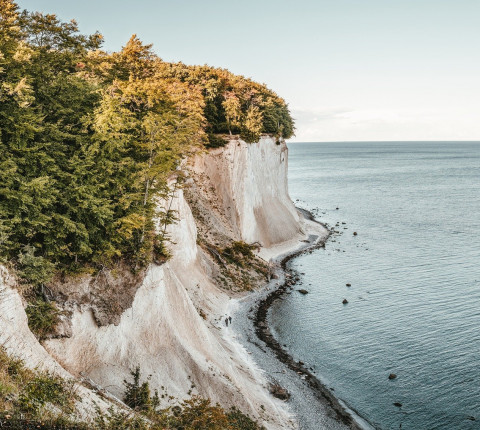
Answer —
279 392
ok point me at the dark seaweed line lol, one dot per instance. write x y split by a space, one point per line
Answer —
264 334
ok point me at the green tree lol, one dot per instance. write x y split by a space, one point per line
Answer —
137 394
90 141
233 112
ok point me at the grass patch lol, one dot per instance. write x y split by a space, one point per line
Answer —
30 399
29 396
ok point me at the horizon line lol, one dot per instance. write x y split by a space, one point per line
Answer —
383 141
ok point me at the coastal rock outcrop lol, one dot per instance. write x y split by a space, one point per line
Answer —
249 191
19 342
171 322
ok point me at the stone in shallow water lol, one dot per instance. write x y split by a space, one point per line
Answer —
392 376
279 392
303 291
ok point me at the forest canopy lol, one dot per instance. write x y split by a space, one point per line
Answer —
89 140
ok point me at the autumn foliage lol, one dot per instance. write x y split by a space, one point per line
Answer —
89 141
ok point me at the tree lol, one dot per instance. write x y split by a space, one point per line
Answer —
233 112
91 141
153 123
252 125
137 395
44 103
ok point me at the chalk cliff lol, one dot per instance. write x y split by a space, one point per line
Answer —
249 183
173 327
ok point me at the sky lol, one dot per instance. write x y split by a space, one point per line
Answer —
350 70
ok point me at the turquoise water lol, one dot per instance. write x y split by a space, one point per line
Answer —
414 304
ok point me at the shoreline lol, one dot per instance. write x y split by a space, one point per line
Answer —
295 375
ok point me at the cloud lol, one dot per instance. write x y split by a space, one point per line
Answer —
319 115
348 124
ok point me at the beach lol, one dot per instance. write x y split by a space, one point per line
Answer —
310 401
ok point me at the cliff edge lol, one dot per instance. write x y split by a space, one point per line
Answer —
173 324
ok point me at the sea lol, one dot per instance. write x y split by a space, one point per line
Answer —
414 273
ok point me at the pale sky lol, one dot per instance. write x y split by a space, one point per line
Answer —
350 70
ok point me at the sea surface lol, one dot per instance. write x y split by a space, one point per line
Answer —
414 268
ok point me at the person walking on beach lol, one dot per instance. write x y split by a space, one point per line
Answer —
230 320
226 322
270 270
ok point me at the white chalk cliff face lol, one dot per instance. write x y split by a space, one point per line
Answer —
18 341
174 329
250 182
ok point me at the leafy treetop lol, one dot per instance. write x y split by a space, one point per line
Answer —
90 140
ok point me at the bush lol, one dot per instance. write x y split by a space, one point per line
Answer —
243 248
113 420
215 141
161 254
42 317
199 414
34 270
238 420
33 399
45 388
239 253
137 395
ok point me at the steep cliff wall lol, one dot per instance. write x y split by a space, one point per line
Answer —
248 186
165 335
18 341
174 328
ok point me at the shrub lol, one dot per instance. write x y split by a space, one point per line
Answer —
45 388
114 420
243 248
34 270
42 316
239 253
33 399
215 141
199 414
137 395
238 420
161 254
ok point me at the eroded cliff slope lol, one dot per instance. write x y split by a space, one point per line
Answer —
173 327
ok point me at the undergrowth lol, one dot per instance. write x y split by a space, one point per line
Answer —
32 399
242 265
29 397
193 414
43 316
239 253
